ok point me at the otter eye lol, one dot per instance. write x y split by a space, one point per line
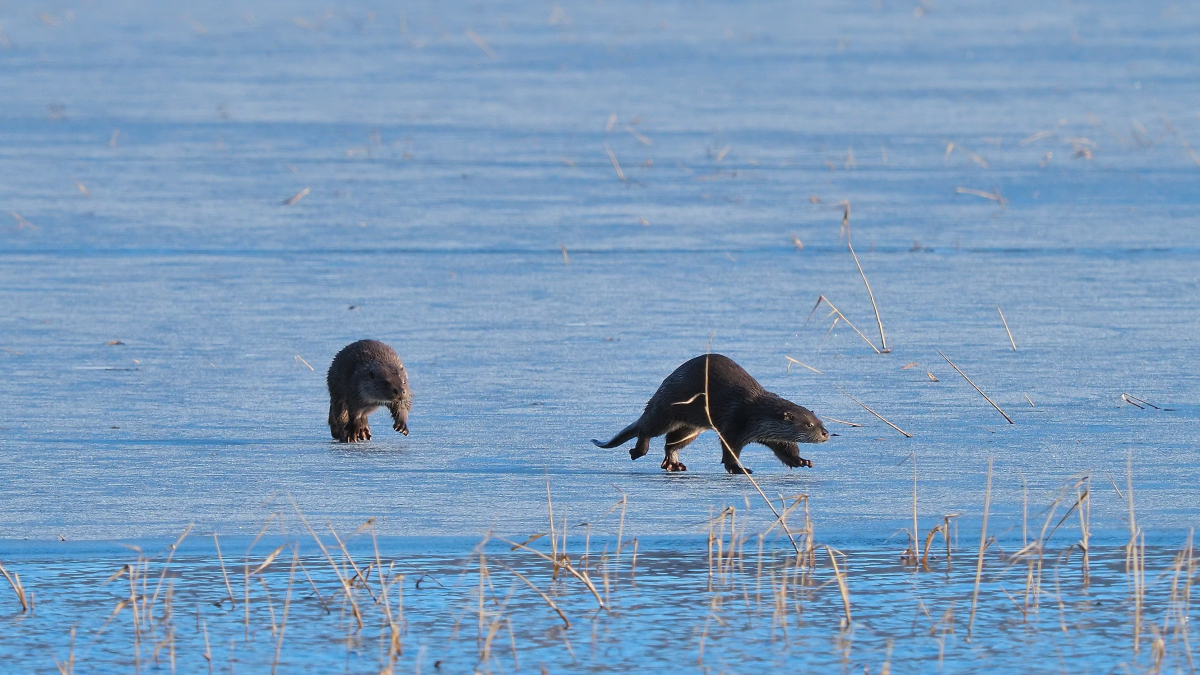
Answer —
808 424
787 417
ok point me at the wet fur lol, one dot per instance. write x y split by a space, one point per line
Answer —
364 376
742 411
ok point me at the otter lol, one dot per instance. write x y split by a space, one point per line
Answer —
739 409
363 376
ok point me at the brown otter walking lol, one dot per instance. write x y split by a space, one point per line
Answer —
740 409
363 376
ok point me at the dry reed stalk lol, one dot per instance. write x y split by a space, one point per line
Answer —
912 535
987 503
564 564
297 197
270 605
173 547
989 400
841 582
1182 141
642 139
14 580
882 338
551 603
21 222
301 360
994 195
613 158
864 406
553 538
822 298
349 559
791 361
336 570
1138 402
287 602
1006 330
224 574
1084 500
828 333
566 258
944 529
314 587
1129 496
849 424
207 648
725 445
481 43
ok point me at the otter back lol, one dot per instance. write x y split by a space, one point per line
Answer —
714 392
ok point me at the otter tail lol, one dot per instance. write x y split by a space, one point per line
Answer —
625 434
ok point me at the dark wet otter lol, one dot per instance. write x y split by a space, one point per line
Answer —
363 376
741 411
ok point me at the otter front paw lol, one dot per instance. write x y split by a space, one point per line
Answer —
805 463
354 434
401 427
673 466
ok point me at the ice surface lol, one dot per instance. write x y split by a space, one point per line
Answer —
465 209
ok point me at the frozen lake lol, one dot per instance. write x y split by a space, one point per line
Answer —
545 209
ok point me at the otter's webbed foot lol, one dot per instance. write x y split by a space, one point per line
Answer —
356 434
738 469
673 466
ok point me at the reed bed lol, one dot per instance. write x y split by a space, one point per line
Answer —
760 586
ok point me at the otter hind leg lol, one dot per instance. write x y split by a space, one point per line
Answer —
642 447
677 440
339 418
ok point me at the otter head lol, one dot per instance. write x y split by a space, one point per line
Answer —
780 420
383 384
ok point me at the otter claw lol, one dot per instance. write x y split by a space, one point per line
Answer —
805 463
674 466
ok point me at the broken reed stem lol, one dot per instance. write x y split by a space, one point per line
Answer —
989 400
882 337
727 448
987 503
841 582
903 432
822 298
1006 330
